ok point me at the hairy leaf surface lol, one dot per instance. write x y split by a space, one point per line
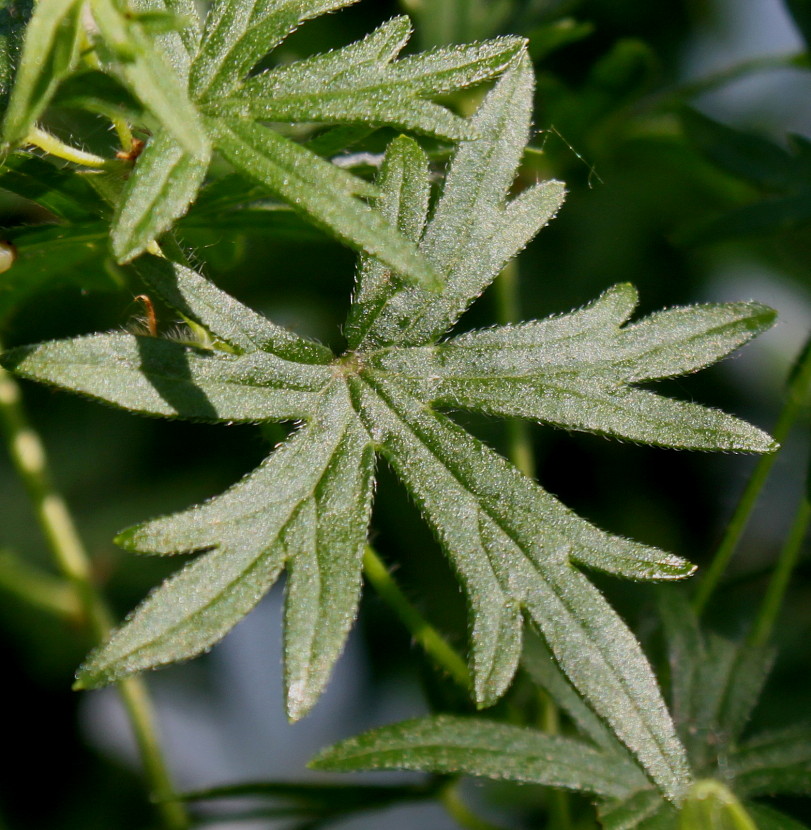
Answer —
359 83
479 747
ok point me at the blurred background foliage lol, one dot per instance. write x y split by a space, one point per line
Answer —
678 129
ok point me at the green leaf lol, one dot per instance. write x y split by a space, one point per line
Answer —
329 799
238 33
549 37
160 377
473 233
711 806
473 746
177 37
575 371
160 189
776 762
156 82
768 216
716 683
307 506
324 193
511 544
456 21
14 20
360 84
48 54
60 190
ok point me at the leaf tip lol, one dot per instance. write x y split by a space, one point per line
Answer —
128 539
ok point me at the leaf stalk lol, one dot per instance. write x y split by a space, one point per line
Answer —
55 147
421 630
787 560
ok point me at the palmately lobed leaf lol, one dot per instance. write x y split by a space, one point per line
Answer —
516 549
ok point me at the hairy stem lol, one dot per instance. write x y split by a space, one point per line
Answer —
773 601
30 461
421 630
796 396
52 145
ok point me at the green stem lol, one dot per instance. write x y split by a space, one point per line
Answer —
421 630
796 396
460 812
124 133
30 461
773 601
52 145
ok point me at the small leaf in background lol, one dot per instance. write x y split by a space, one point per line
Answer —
543 40
95 91
748 156
780 175
62 191
49 256
48 54
457 21
769 819
773 762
